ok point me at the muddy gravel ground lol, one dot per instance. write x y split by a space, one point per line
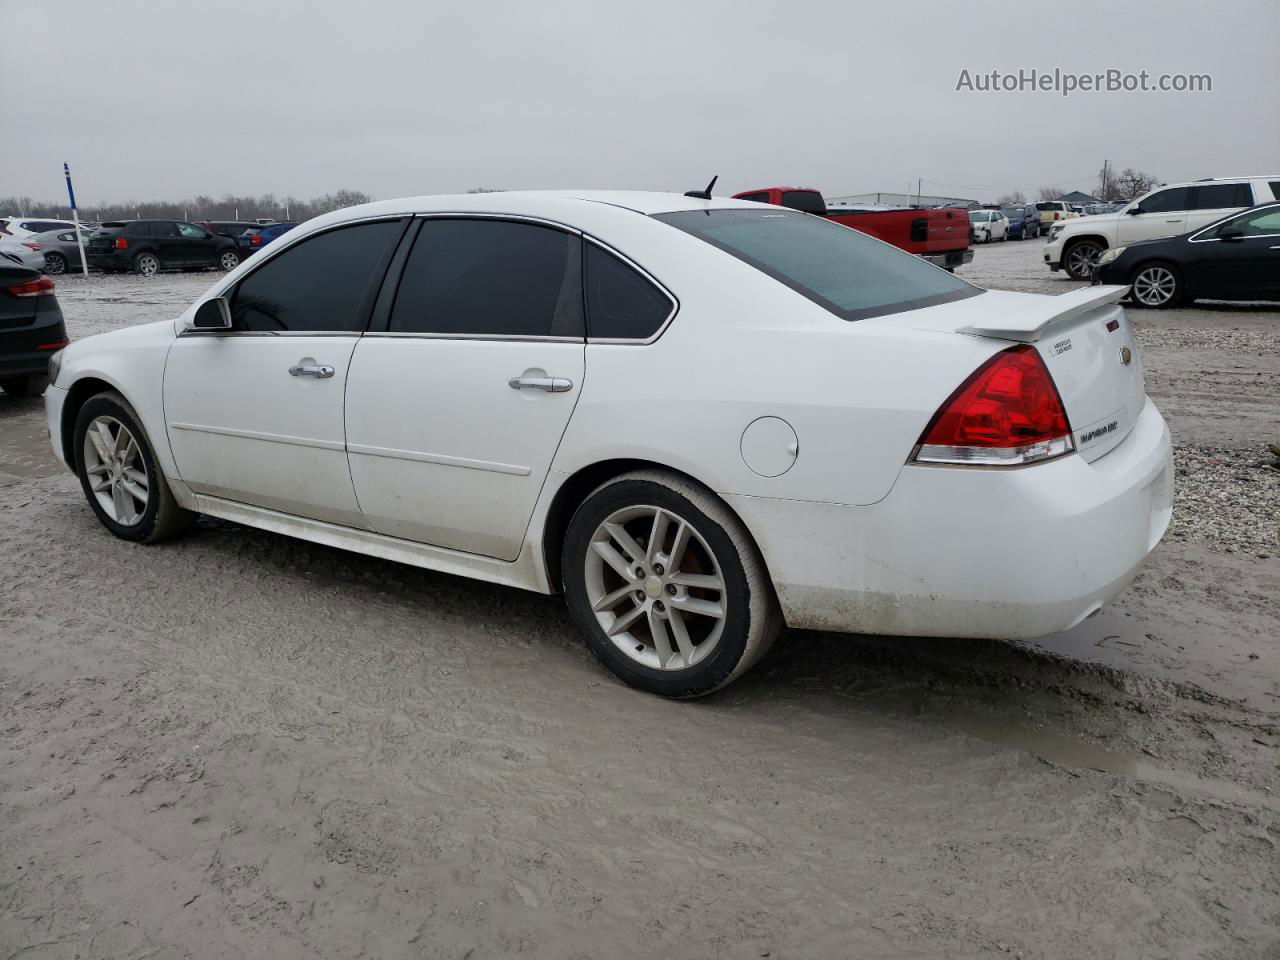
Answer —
237 745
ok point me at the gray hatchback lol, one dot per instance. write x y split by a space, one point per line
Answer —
60 250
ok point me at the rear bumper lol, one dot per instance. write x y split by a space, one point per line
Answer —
972 552
20 352
950 259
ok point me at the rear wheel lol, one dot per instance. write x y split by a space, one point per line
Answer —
1078 259
30 385
228 260
120 476
666 585
1156 285
55 264
146 264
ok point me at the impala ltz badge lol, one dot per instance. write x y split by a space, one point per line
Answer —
1126 356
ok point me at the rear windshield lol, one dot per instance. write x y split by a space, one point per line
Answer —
1050 205
837 267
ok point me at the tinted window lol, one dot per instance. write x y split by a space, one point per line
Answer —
1218 195
806 200
318 285
621 304
755 197
839 268
1259 223
1167 201
190 231
491 278
161 230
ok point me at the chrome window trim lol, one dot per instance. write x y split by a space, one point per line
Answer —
515 337
1242 212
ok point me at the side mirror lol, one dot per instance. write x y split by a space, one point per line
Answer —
213 314
1132 211
1231 234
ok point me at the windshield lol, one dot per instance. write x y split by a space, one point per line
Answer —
979 215
1012 212
1049 205
841 269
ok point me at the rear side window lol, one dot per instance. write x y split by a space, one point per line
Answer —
190 231
806 201
621 303
494 278
163 230
837 267
319 285
1216 196
1168 201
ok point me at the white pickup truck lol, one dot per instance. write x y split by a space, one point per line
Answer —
1074 245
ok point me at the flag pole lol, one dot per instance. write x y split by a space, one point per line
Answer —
75 217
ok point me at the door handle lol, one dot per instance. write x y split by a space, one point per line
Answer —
307 367
1174 220
549 384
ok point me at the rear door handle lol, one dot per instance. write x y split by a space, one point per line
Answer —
549 384
307 367
1174 220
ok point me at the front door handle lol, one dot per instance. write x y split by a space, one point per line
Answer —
549 384
1174 220
307 367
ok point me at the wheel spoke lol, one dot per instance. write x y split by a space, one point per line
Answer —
120 501
101 439
657 534
705 608
682 636
619 533
137 476
97 486
611 600
613 558
661 642
626 620
138 493
698 581
678 546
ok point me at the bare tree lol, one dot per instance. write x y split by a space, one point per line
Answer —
202 207
486 190
1015 197
1131 183
1051 193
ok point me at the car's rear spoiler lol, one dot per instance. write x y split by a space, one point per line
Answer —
1028 323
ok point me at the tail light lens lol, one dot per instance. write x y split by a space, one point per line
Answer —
40 287
122 243
255 240
33 246
1008 413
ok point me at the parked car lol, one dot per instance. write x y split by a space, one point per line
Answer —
257 237
937 235
149 246
1052 211
22 252
1024 220
31 329
60 249
989 225
19 228
1164 212
1235 258
865 418
231 229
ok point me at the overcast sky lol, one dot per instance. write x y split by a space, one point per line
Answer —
164 100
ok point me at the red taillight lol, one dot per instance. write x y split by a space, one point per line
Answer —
33 246
122 243
56 345
40 287
1008 412
255 240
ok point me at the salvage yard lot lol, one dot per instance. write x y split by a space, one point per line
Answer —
240 745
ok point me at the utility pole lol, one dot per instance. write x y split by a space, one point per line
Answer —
1106 181
919 182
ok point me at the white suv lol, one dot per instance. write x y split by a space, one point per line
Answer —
1167 211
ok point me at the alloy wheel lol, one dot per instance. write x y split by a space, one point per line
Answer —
54 265
1154 286
116 470
148 265
229 261
1081 258
655 587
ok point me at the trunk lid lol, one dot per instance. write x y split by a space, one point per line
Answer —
1085 340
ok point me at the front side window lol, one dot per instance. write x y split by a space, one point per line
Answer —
621 303
1173 200
1217 196
190 231
1257 223
847 272
491 278
319 285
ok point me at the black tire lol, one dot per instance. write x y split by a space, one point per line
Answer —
228 260
55 264
146 264
1148 272
28 385
751 616
1079 256
162 518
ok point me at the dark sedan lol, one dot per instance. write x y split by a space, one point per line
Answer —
31 329
1235 258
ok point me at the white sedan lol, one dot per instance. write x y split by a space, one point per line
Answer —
988 225
701 420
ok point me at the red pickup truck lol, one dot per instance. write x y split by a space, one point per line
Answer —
940 235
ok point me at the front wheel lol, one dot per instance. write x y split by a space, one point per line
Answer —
666 585
55 264
228 260
146 264
120 476
1079 258
1156 285
30 385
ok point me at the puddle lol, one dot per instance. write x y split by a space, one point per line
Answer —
1077 754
